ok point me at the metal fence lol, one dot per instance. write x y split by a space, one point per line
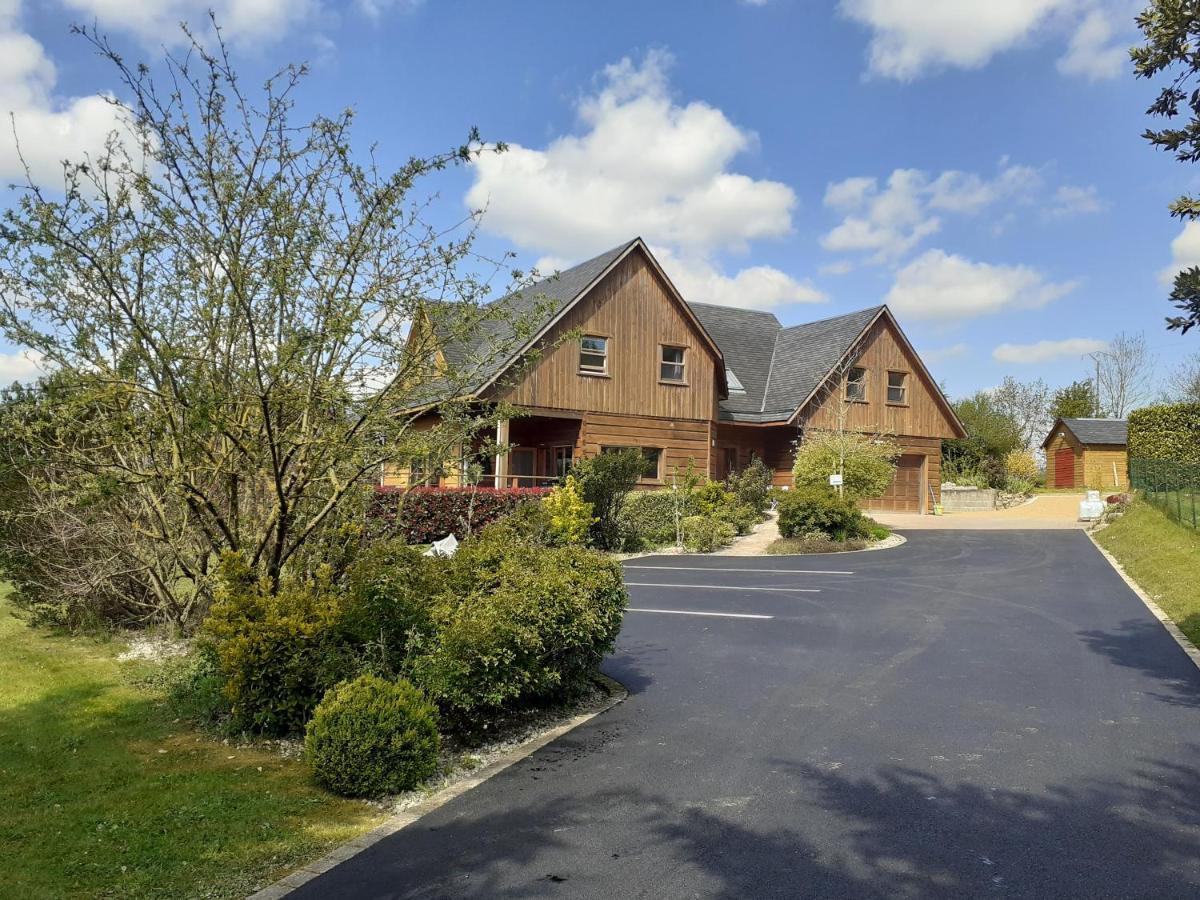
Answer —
1174 487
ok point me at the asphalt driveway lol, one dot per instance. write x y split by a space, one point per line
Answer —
987 714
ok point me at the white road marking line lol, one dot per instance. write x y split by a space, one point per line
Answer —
721 587
689 612
760 571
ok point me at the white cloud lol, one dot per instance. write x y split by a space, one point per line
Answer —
1095 51
374 9
156 23
1185 253
48 128
756 287
911 38
941 354
21 365
1071 200
1047 351
888 222
643 164
938 285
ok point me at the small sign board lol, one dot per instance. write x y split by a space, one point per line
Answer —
835 480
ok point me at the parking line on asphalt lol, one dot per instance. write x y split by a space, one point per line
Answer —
762 571
689 612
721 587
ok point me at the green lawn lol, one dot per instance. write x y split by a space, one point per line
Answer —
104 794
1163 557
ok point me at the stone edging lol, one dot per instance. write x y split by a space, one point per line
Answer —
1172 629
401 820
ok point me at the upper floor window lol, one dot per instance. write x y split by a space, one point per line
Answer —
856 384
593 354
898 388
670 364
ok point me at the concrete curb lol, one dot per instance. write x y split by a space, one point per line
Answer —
306 873
1172 629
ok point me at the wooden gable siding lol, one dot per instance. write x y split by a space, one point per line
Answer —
883 351
633 309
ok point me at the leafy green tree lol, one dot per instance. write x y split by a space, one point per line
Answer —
1171 29
605 481
225 293
1076 400
865 462
991 433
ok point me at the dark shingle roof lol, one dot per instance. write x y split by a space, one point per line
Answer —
1099 431
778 367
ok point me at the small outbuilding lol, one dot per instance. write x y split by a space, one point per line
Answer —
1088 453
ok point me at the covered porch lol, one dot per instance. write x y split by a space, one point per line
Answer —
541 450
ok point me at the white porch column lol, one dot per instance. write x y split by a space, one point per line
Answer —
501 458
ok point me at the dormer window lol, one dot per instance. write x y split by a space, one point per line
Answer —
593 355
670 364
856 385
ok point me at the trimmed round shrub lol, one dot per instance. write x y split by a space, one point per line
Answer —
371 736
518 623
807 510
704 534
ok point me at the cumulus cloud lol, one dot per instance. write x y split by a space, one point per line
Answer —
20 365
1095 50
911 38
1185 253
1047 351
641 164
1071 200
886 222
48 128
759 287
157 23
939 285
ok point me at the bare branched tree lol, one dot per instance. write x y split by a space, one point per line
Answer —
1028 405
225 295
1183 384
1124 374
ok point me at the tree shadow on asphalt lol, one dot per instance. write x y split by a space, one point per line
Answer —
631 665
896 833
1145 646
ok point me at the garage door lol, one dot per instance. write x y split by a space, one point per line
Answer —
904 493
1064 468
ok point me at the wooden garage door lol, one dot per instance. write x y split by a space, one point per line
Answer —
904 493
1064 468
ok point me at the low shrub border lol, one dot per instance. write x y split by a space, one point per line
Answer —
422 515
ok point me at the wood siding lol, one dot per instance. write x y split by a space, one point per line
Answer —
634 309
1098 463
922 413
681 442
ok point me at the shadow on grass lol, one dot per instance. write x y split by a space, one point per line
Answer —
896 833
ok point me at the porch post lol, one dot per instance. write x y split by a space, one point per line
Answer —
501 458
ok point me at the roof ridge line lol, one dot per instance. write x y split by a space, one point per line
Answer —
762 407
845 315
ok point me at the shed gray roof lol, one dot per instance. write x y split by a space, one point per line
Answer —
1099 431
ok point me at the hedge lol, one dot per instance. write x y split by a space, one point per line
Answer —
1169 431
423 515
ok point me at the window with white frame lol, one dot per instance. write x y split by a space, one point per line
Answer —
593 354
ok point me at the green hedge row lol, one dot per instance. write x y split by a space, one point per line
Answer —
1170 431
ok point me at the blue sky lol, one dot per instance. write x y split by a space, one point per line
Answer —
977 165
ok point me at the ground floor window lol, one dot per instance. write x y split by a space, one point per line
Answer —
562 460
652 455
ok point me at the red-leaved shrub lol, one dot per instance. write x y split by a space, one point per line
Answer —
423 515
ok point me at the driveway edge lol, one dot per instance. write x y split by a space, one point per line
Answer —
401 820
1172 629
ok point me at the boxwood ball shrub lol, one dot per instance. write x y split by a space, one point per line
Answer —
806 510
371 736
704 534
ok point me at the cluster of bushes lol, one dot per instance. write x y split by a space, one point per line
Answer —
422 515
816 519
1016 472
1169 431
373 663
699 516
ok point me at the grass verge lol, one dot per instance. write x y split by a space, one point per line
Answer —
1162 557
106 794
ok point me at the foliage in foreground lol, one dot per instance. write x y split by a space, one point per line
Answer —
107 794
1163 557
221 295
371 737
